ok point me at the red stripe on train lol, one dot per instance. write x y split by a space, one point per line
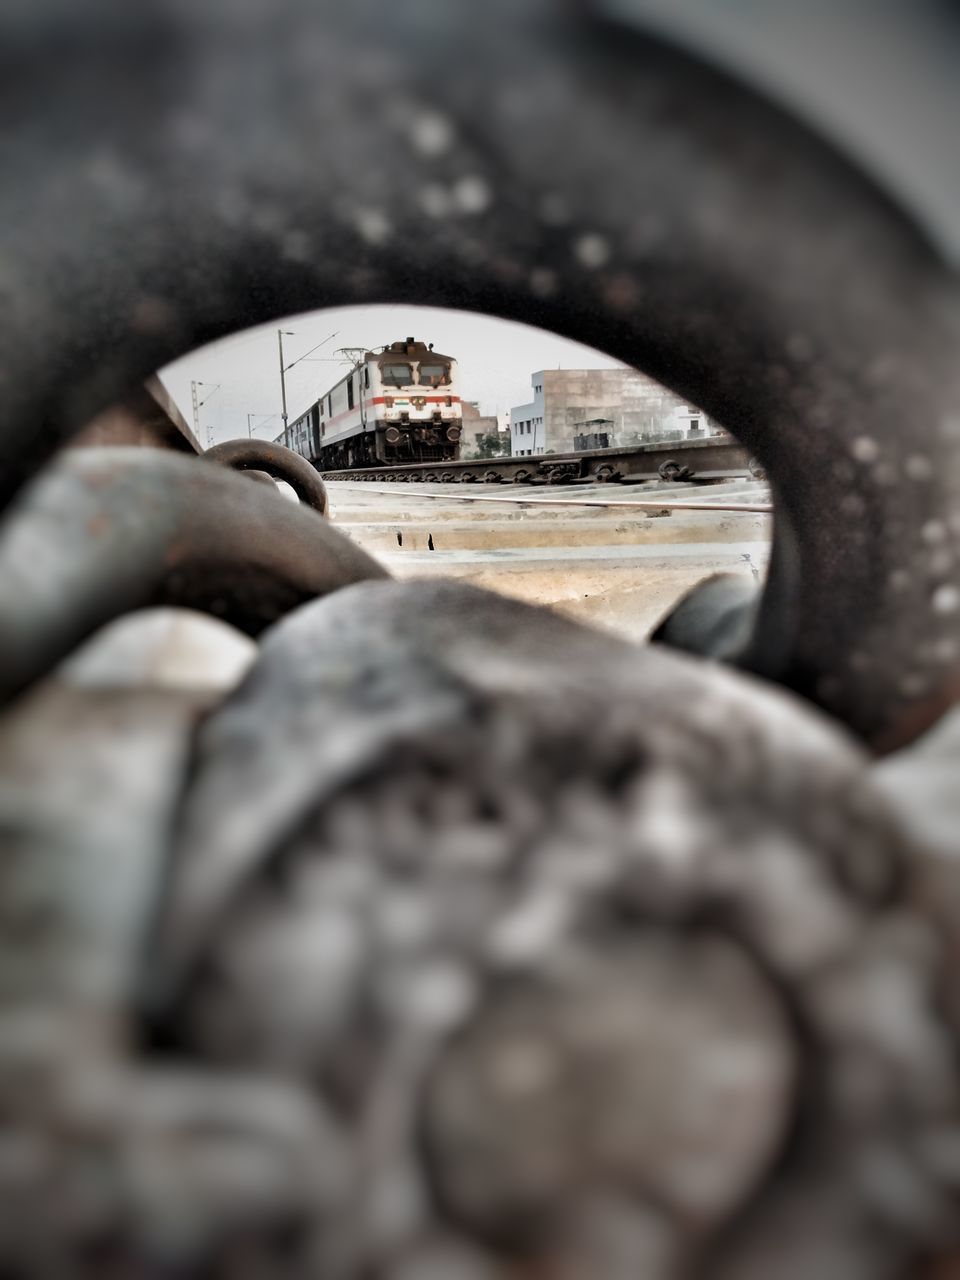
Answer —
383 400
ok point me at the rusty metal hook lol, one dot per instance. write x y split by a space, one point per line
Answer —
277 461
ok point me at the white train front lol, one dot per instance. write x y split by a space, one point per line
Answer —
399 405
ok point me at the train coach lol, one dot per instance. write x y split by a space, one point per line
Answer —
399 405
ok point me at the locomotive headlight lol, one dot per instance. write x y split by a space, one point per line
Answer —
453 434
392 435
388 401
449 401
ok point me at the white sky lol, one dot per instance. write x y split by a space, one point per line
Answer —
496 359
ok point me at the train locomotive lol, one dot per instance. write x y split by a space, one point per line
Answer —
399 405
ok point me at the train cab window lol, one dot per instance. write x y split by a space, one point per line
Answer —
434 375
396 375
350 392
366 375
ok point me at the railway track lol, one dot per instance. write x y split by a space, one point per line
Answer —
674 500
715 458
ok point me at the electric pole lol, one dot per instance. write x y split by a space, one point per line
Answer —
283 382
198 405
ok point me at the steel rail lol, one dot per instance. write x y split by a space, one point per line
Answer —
759 508
710 457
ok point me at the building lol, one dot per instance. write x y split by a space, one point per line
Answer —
622 405
476 427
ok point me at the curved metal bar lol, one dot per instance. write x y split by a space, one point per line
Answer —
110 530
664 214
276 461
543 812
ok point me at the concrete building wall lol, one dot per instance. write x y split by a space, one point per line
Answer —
631 408
475 426
527 422
475 429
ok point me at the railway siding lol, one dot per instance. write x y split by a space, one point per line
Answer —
712 458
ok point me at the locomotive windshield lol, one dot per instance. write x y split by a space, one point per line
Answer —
396 375
434 375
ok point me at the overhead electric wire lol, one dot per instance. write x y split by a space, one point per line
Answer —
306 353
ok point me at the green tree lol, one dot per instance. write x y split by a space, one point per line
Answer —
493 445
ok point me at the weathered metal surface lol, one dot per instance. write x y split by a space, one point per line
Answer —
97 1136
162 648
480 941
276 461
108 530
921 785
885 92
714 620
78 877
145 416
616 191
464 941
604 960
